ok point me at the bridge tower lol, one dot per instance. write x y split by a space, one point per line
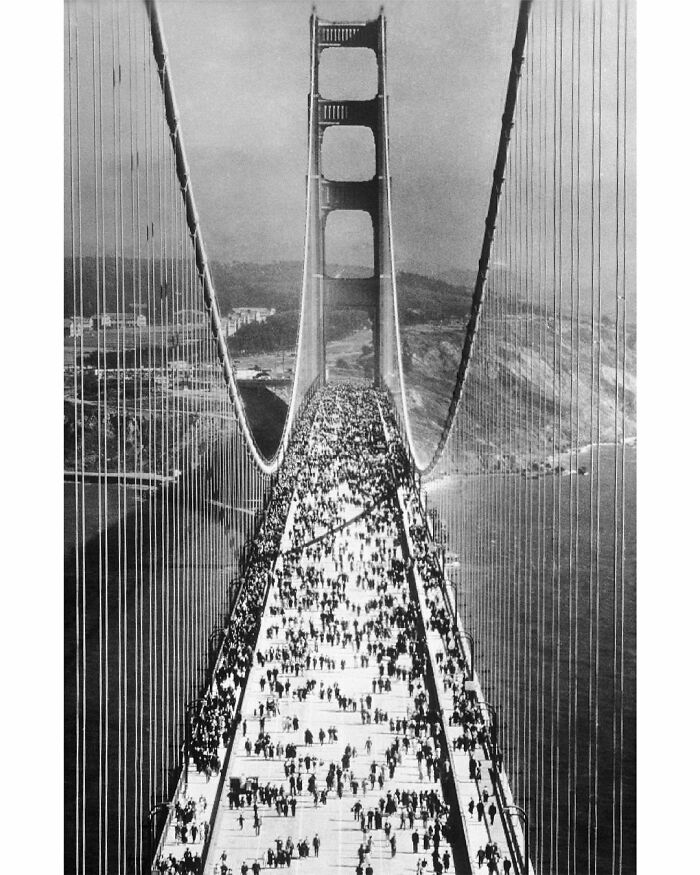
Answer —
375 294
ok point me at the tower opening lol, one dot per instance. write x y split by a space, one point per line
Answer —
348 74
348 152
349 244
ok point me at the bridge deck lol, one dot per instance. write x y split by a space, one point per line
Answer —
339 831
489 784
342 613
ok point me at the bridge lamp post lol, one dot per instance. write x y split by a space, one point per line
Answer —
155 810
188 737
469 638
431 514
493 714
247 549
232 590
215 639
516 810
450 589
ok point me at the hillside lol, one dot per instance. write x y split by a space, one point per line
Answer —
240 284
433 313
524 374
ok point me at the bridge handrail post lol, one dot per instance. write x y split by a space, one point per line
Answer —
155 809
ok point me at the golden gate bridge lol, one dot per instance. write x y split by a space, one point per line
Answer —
452 629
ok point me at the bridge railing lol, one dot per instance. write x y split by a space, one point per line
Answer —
504 795
217 665
517 842
433 678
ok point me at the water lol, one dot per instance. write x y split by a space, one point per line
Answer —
516 661
139 631
545 624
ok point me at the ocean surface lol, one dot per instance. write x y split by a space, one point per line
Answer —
553 612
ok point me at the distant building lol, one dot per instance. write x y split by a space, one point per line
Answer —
247 374
240 316
191 318
122 320
180 366
76 325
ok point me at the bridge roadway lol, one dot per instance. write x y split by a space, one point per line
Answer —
333 821
364 574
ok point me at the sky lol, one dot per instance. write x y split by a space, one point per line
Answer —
241 74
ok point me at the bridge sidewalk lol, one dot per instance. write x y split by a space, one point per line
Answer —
479 830
199 788
338 830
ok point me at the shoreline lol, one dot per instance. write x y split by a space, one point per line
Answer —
559 464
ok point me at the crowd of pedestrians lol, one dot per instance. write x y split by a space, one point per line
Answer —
467 713
339 603
217 720
332 576
187 864
190 821
214 723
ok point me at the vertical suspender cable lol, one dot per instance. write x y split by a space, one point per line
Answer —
528 377
131 740
132 395
599 73
176 463
160 292
151 402
616 427
557 480
591 507
623 506
80 463
576 185
141 543
573 450
99 229
544 729
79 770
519 426
103 414
539 520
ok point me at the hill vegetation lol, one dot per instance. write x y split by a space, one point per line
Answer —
238 284
522 369
433 313
279 331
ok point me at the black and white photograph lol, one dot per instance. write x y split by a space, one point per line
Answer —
347 505
349 371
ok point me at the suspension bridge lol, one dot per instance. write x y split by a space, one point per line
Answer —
336 646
